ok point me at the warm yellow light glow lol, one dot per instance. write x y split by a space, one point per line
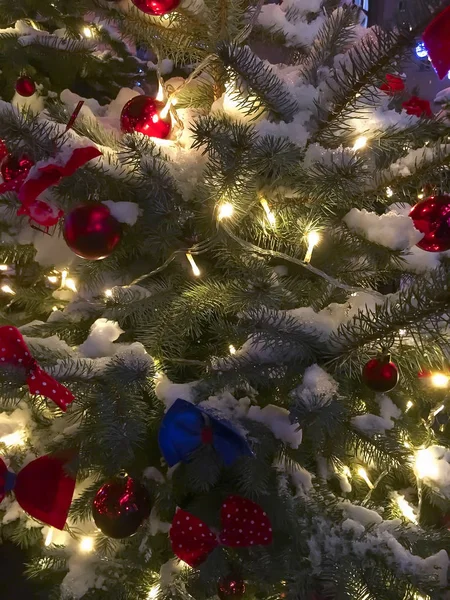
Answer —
87 544
409 404
55 308
232 349
52 278
269 214
70 284
225 211
4 267
360 143
87 32
420 196
160 94
108 293
346 471
195 270
313 238
49 538
153 592
406 509
165 111
8 289
389 192
402 332
363 474
438 410
64 275
14 439
425 464
439 380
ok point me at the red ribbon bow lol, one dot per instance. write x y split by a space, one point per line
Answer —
42 488
244 523
13 350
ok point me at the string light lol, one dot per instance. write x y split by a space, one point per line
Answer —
346 471
313 238
269 214
360 143
225 211
406 509
7 289
87 32
439 380
55 308
153 592
87 544
438 410
4 267
409 404
160 94
108 293
71 285
195 270
389 192
52 278
363 474
49 538
420 196
14 439
425 465
232 349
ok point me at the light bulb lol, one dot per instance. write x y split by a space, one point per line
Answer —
195 270
8 289
55 308
363 474
87 32
389 192
313 238
360 143
14 439
346 471
409 404
439 380
406 509
225 211
425 465
438 410
160 94
86 544
108 293
52 278
49 537
4 267
269 214
232 349
153 592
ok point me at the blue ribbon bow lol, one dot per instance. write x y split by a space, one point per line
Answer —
185 427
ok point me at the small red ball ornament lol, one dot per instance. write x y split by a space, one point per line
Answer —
156 7
13 167
432 217
25 86
380 374
91 231
142 114
229 587
120 506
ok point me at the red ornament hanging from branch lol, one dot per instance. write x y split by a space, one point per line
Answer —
156 8
25 86
380 374
432 217
91 231
142 114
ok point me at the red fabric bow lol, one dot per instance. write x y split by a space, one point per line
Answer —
418 107
42 177
13 350
436 38
42 488
244 523
392 85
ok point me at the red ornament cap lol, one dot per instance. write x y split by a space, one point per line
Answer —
380 374
436 38
156 7
230 587
25 86
432 217
91 231
142 114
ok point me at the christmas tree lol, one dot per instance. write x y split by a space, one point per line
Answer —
224 334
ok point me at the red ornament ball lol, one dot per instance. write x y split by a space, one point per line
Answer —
432 217
25 86
91 231
120 506
380 374
156 7
13 167
229 587
142 114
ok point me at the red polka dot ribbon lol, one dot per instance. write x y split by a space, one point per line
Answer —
244 524
14 351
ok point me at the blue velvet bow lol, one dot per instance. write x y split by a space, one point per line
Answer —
185 427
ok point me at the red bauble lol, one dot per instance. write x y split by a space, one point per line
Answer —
91 231
120 507
436 38
3 150
13 167
229 587
25 86
141 114
380 374
432 217
156 7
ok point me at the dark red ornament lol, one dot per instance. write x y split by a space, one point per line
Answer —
13 167
120 507
25 86
432 217
3 150
380 374
156 7
91 231
230 587
142 114
436 38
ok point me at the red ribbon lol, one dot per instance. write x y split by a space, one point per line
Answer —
244 523
43 488
436 38
13 350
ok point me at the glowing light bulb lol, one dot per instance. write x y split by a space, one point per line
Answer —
14 439
421 51
64 274
269 214
4 267
425 465
360 143
420 196
346 471
438 410
406 509
225 211
389 192
86 544
87 32
49 537
232 349
108 293
195 270
7 289
71 285
439 380
313 238
409 404
55 308
153 592
52 278
363 474
160 94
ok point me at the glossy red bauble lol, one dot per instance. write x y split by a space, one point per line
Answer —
142 114
120 506
13 167
380 374
156 7
432 217
91 231
229 587
25 86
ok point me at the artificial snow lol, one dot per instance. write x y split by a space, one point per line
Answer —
299 32
372 424
317 387
124 212
277 419
100 340
169 392
433 467
362 515
388 410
